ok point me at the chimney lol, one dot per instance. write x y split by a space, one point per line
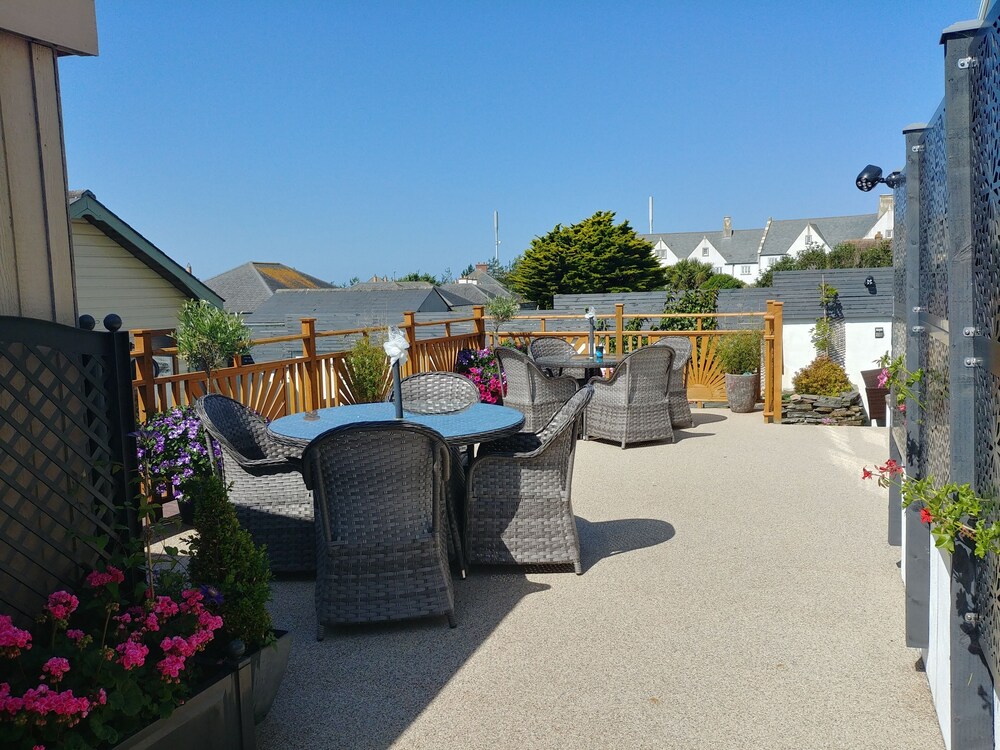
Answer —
482 267
727 227
885 203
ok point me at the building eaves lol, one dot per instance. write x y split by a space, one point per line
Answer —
83 204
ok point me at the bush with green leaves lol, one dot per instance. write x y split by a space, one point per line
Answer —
722 281
822 377
500 310
739 353
209 338
224 557
368 370
693 302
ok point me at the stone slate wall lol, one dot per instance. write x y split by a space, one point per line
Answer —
847 409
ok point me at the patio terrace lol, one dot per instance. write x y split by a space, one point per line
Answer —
737 593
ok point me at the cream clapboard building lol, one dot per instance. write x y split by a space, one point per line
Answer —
117 270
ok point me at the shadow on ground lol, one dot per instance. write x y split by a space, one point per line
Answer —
363 686
602 539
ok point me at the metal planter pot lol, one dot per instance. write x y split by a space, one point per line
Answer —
221 716
743 392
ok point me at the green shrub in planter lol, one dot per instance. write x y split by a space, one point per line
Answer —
368 369
739 353
224 556
822 377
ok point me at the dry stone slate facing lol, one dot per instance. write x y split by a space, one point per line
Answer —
806 408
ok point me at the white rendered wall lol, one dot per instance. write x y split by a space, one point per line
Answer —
937 657
861 349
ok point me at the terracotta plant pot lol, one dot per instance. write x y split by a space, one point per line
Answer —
743 392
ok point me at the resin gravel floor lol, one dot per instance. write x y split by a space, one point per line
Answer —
737 593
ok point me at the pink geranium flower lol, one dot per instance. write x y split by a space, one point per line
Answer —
55 667
61 605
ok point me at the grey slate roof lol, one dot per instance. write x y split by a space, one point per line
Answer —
799 290
489 285
833 229
466 294
247 287
389 286
742 247
341 309
83 204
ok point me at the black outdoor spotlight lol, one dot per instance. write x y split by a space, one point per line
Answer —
871 176
870 285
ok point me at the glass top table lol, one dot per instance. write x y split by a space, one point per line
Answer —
474 424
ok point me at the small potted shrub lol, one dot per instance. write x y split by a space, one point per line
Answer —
225 560
368 370
739 356
822 377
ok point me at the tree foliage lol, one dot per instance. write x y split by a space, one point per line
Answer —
593 256
419 276
688 274
208 338
722 281
692 302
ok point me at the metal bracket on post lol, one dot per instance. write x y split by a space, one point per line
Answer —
918 329
965 63
973 362
917 149
970 331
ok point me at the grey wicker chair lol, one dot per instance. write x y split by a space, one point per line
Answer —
633 405
680 409
268 493
529 390
437 392
555 347
519 509
380 532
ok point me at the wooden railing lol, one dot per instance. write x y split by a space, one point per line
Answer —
314 381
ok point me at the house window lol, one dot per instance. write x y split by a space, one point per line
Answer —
717 269
704 252
744 270
809 238
888 234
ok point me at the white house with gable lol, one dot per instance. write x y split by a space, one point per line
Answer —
746 253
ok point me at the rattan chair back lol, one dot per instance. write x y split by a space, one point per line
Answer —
437 392
381 534
530 391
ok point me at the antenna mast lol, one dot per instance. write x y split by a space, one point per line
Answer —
650 214
496 236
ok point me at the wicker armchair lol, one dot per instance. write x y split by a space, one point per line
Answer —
268 493
519 509
437 392
380 532
554 347
633 405
680 409
529 391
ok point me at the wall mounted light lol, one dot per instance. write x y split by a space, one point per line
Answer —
870 285
871 176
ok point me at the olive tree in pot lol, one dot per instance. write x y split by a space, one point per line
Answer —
739 357
209 338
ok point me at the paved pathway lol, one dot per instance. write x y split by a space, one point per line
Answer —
738 593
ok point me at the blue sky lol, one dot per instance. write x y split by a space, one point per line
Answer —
359 138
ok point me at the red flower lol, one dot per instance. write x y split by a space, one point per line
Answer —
925 516
865 473
891 468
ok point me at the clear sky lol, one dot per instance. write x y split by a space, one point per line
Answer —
359 138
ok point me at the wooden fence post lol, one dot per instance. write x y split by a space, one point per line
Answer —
479 314
778 364
311 378
619 325
411 365
145 387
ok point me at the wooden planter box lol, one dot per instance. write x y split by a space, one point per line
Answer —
876 396
222 716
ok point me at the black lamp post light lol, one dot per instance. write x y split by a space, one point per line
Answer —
871 176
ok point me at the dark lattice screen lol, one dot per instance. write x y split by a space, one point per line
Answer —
985 172
899 295
66 462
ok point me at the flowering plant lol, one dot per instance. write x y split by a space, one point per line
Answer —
482 368
99 667
895 376
952 510
172 451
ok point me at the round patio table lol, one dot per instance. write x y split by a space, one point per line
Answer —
474 424
591 365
